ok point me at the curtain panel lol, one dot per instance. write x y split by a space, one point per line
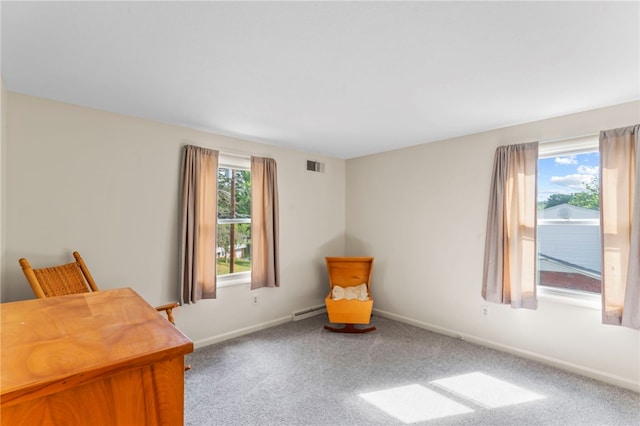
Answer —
199 224
510 248
265 269
620 226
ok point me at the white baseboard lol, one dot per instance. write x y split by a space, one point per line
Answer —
602 376
240 332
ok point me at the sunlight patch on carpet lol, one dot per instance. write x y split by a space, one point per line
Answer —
486 391
414 403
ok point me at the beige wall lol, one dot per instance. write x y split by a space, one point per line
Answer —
74 178
422 212
108 186
3 180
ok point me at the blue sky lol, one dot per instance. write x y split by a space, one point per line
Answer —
566 174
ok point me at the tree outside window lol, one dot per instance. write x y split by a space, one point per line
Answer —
233 250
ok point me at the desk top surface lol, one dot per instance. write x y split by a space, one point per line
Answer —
81 337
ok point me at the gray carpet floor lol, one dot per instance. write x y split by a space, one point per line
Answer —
300 374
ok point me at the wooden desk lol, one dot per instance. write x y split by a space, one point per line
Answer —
104 358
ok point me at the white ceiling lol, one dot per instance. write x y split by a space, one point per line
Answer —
343 79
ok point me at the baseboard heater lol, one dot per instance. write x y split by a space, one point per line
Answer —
309 312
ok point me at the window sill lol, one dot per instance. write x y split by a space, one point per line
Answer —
240 279
570 297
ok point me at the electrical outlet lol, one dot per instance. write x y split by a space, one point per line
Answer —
484 311
255 300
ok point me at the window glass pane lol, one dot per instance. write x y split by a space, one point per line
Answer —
234 193
569 222
240 259
233 251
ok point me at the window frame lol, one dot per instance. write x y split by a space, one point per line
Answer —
572 146
236 162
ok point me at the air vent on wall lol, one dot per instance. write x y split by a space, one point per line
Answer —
314 166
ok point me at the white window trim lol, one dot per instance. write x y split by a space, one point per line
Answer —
230 280
237 220
238 162
579 145
570 297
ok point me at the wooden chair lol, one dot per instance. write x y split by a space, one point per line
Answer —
349 272
71 278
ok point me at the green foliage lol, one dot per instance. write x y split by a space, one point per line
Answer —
241 181
557 199
234 202
588 199
239 266
243 193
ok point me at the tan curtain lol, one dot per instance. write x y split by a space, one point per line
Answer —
510 247
620 226
265 271
199 224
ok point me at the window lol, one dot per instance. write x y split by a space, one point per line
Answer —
229 225
233 251
568 227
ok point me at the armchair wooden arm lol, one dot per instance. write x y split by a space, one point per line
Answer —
168 310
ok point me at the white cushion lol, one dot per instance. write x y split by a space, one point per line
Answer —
358 292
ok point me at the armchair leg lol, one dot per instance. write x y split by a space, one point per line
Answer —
349 328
